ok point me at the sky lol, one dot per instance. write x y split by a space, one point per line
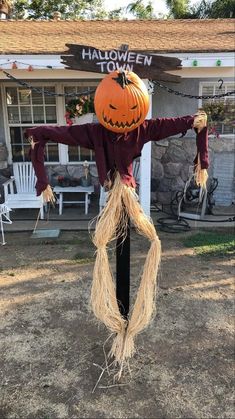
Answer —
159 5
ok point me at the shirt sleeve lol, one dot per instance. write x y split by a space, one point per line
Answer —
70 135
160 128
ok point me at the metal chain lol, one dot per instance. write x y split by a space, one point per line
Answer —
162 86
175 92
47 92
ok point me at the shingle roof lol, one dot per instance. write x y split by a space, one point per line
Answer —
50 37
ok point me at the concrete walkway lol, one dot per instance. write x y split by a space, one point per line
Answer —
73 218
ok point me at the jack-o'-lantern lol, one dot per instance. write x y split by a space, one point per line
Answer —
121 101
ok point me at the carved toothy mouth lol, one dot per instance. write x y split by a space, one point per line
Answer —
121 124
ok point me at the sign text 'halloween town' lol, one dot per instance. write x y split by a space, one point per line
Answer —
91 59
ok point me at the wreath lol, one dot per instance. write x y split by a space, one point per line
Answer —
78 107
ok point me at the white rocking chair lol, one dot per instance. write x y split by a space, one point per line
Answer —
4 219
20 190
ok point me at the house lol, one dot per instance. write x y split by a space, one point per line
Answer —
31 52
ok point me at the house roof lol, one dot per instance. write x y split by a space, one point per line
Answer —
50 37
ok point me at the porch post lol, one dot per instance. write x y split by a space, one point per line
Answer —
145 169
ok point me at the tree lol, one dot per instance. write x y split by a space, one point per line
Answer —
117 13
220 9
69 9
140 11
212 9
179 9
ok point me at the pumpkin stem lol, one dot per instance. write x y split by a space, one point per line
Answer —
122 80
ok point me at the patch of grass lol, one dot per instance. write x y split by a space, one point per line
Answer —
81 260
211 244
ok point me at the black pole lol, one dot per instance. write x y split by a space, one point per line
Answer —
123 272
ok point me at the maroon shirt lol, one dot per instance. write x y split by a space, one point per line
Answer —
112 151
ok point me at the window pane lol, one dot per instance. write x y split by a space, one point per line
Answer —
17 153
228 129
13 115
219 91
37 98
26 114
69 90
207 90
52 152
85 154
11 93
26 152
15 133
230 87
49 100
73 153
24 95
38 114
51 114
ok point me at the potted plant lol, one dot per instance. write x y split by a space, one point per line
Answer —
218 113
80 110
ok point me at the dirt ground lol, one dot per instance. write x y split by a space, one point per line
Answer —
50 340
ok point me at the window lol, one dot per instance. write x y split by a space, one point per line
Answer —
27 108
225 126
76 154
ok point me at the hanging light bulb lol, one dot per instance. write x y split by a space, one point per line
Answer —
14 66
30 68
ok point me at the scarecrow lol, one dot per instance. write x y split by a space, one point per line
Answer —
121 105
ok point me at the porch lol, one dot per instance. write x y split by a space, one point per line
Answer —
74 218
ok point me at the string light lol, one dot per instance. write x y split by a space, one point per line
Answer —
17 64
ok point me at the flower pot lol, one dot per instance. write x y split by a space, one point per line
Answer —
64 182
85 181
87 118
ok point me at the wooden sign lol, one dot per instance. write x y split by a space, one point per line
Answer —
146 66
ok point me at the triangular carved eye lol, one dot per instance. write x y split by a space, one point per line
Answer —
134 107
111 106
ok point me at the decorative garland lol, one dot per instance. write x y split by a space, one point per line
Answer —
78 107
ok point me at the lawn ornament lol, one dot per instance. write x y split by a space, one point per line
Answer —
116 142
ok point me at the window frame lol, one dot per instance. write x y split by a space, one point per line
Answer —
215 84
77 83
8 125
60 111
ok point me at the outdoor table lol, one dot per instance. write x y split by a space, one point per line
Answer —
87 190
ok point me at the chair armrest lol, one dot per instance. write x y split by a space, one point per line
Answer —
8 185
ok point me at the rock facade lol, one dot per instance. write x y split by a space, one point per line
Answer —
172 164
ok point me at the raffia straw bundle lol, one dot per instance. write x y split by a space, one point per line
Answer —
200 174
111 223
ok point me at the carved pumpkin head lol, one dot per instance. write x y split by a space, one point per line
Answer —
121 101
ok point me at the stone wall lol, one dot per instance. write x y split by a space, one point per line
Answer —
172 163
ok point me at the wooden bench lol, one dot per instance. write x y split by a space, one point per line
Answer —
59 190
